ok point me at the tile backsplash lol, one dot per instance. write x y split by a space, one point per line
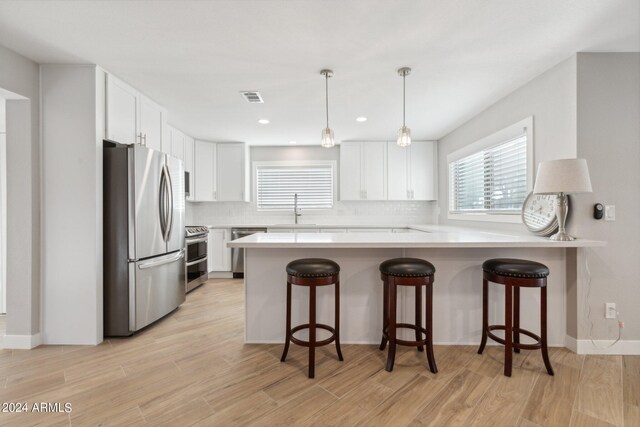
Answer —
365 212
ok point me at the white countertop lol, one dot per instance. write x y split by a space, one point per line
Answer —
434 236
303 226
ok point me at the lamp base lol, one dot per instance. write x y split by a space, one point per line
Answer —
562 237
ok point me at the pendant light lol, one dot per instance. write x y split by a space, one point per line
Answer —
404 134
327 140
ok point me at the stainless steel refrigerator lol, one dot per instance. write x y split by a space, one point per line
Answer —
144 207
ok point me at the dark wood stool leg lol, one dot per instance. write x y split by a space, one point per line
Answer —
428 318
392 324
288 324
543 329
419 315
485 314
385 312
516 317
508 331
337 319
312 331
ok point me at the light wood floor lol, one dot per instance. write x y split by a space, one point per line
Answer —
192 368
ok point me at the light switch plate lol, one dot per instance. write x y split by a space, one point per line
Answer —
609 212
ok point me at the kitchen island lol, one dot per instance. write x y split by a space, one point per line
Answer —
457 254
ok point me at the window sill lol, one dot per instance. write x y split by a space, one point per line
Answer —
507 218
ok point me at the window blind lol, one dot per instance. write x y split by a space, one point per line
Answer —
276 187
493 180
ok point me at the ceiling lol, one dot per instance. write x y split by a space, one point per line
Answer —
194 57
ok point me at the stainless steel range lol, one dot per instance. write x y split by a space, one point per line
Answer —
197 250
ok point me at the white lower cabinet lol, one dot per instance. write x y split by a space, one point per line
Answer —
219 255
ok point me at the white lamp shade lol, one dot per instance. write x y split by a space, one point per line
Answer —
404 137
563 176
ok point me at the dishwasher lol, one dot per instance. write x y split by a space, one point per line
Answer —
237 254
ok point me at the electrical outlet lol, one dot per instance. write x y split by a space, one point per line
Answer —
610 213
610 310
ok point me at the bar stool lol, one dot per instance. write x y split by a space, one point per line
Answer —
407 272
313 272
514 274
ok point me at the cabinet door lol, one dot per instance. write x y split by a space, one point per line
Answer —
121 112
166 137
188 164
350 171
422 170
230 165
397 172
219 257
374 173
204 184
177 144
150 123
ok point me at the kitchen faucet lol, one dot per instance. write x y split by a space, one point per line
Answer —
296 214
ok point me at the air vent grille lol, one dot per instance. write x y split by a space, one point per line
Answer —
253 97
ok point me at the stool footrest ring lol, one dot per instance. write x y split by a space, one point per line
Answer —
304 343
536 346
385 334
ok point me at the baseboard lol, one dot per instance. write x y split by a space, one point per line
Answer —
21 342
622 347
220 275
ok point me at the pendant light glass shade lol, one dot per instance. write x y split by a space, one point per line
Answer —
404 137
327 139
404 133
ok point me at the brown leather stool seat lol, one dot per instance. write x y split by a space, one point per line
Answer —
313 272
514 274
407 272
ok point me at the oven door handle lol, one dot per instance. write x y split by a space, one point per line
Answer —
198 261
200 240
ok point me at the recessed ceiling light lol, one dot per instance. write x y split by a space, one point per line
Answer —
263 121
361 119
292 142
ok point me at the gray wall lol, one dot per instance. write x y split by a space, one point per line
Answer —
587 106
609 138
21 76
550 98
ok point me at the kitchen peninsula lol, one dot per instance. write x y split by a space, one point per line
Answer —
457 254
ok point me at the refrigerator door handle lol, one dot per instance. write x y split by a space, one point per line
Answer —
170 202
156 262
162 205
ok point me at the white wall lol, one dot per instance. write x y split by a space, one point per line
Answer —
72 132
609 138
20 76
355 212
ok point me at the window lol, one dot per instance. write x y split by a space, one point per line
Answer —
278 182
490 179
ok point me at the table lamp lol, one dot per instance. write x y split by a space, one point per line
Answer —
562 177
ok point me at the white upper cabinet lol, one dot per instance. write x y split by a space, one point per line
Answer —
385 171
188 164
350 171
412 171
397 168
363 171
177 144
422 170
151 118
122 112
231 168
204 177
132 118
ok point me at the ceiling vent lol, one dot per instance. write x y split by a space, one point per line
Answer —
253 97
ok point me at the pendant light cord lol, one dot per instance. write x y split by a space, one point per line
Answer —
404 102
326 93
